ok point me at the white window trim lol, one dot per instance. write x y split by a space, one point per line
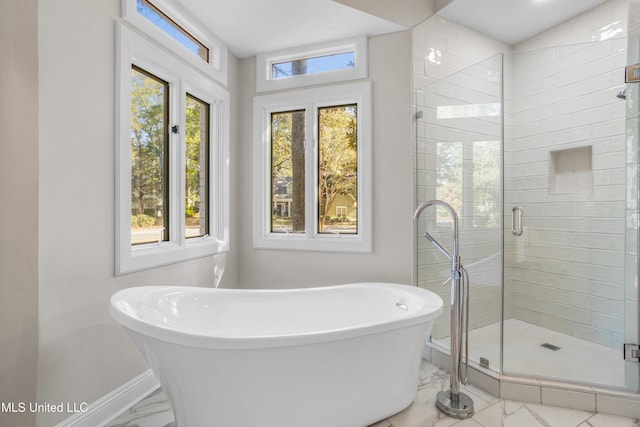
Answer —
136 49
218 51
264 61
310 100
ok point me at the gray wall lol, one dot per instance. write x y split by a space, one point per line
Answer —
83 353
18 206
391 260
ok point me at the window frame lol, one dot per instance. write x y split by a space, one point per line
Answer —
135 49
264 61
215 67
310 100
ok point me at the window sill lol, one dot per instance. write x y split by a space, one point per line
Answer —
319 243
152 255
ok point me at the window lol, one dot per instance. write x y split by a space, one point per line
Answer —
311 65
312 160
337 168
197 175
149 157
172 172
162 23
175 31
318 64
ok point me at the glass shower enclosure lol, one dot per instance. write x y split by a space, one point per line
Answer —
538 153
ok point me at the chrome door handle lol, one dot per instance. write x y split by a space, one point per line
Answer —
516 221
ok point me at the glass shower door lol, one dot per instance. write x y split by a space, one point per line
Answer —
459 161
564 206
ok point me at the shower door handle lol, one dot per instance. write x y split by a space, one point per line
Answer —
516 221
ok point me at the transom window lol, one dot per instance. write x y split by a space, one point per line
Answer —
175 30
322 63
312 65
166 24
313 169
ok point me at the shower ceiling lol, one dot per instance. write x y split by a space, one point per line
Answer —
514 21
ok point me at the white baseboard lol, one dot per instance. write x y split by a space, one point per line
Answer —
109 406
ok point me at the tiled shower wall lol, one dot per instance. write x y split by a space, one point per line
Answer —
565 167
567 270
441 47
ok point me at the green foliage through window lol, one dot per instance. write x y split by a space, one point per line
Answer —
149 157
196 168
338 169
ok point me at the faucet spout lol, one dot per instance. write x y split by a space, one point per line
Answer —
454 217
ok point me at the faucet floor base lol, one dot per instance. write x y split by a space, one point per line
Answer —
462 408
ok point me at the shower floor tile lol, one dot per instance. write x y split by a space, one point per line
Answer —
576 360
490 411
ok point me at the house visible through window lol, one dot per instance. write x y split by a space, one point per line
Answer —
338 168
288 171
314 153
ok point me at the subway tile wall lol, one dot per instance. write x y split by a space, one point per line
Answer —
564 164
566 271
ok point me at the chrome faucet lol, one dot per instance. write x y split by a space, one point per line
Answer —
455 257
452 402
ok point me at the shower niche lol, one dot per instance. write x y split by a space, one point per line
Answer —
571 170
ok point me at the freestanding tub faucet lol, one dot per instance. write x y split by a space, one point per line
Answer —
453 402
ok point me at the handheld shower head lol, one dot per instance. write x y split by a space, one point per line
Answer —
438 245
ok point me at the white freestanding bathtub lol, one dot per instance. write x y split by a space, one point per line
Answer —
338 356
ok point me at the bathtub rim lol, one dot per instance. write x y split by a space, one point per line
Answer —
432 308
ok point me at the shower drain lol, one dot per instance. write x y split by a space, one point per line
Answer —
550 346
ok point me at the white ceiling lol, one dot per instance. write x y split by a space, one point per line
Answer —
513 21
252 26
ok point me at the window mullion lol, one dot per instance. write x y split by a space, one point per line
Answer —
214 211
311 171
177 164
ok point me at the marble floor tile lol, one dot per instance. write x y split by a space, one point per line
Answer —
152 411
490 411
554 415
606 420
